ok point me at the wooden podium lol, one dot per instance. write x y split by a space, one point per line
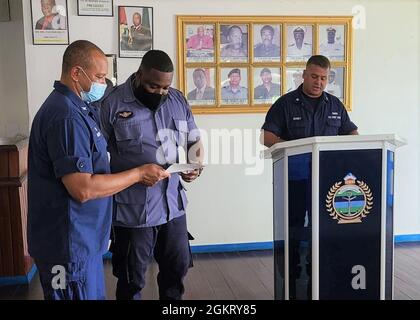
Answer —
15 262
333 217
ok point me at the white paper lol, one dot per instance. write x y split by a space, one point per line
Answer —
183 167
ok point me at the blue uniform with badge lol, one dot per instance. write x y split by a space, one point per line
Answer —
66 139
292 117
148 221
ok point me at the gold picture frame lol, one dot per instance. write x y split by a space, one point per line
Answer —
330 34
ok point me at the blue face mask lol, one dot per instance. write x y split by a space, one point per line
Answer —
96 92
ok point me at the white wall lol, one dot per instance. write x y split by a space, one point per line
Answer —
14 118
226 206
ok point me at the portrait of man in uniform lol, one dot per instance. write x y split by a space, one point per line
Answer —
335 83
268 88
234 43
268 49
332 42
233 92
299 43
294 78
135 31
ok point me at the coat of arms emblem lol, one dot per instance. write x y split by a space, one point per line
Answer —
349 202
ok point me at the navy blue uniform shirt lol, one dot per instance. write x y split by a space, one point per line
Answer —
65 139
291 118
137 136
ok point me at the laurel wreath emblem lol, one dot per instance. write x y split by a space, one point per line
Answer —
362 214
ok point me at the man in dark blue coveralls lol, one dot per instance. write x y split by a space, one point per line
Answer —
69 181
146 121
305 112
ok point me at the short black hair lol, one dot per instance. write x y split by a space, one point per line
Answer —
265 70
267 27
320 61
79 53
199 69
236 70
158 60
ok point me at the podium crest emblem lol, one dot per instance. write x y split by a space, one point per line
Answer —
350 200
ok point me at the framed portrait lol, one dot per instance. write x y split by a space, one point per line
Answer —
294 78
299 42
234 43
112 68
336 83
199 42
332 42
201 86
234 86
103 8
267 43
4 10
49 22
267 85
135 30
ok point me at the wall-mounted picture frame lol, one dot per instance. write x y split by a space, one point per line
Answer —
336 82
234 42
4 11
234 86
332 39
299 42
199 42
270 53
267 85
135 31
200 86
49 22
112 68
294 78
101 8
267 43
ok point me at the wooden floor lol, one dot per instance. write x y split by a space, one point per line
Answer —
238 275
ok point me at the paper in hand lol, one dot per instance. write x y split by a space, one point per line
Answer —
183 167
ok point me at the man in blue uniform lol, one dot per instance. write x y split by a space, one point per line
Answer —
146 121
305 112
69 181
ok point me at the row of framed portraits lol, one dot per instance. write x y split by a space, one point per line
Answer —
237 85
267 44
270 53
135 23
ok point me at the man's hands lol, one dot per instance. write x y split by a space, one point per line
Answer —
150 174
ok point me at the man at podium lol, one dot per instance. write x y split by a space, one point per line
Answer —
308 111
305 112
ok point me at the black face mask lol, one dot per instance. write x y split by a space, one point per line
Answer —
151 100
